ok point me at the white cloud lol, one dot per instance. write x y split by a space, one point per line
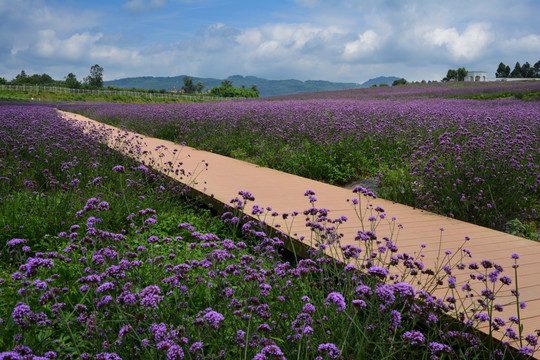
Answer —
468 45
142 5
364 45
339 40
77 46
529 44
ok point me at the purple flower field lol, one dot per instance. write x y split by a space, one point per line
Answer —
474 160
486 90
125 267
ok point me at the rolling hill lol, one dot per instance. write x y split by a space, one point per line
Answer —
266 87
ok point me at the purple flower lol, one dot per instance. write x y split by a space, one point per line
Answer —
107 356
386 293
103 206
196 346
360 304
414 337
11 355
331 349
506 280
124 330
532 340
526 350
336 298
404 289
264 327
119 168
378 271
175 352
32 265
104 301
487 264
511 333
436 347
104 287
308 308
91 204
395 318
50 355
214 319
481 317
20 314
270 352
150 297
15 242
265 289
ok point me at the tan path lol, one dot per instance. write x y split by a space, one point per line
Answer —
221 177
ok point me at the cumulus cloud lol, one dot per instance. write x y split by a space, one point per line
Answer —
339 40
142 5
48 44
470 44
529 44
364 45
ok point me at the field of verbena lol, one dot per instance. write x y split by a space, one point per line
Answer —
528 90
102 258
477 161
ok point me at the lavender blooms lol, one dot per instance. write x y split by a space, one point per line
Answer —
219 296
454 157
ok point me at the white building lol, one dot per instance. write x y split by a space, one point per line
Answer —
476 76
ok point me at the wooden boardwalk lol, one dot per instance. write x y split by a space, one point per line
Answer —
220 178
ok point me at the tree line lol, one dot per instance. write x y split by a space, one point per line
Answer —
520 71
225 90
93 81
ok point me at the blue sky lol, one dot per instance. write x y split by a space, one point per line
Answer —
335 40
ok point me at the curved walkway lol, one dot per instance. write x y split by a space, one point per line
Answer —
220 178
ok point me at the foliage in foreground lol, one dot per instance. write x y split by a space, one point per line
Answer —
120 279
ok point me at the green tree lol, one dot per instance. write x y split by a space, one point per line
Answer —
537 69
199 87
72 82
255 89
3 81
461 74
401 81
229 91
188 87
227 83
95 79
20 79
527 71
503 71
34 79
516 73
458 74
450 75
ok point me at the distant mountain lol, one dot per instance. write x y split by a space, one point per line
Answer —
380 80
266 87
